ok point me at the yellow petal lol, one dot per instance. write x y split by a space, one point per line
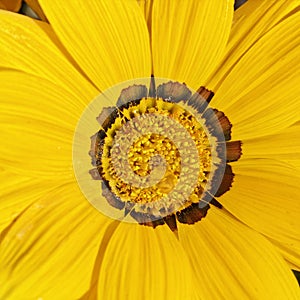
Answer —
17 194
36 8
264 83
143 263
49 253
146 7
37 125
188 38
284 145
265 196
12 5
251 21
31 46
232 261
108 39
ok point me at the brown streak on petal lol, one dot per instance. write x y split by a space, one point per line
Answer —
233 150
226 181
173 91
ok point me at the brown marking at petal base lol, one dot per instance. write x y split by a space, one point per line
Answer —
217 123
171 222
173 91
233 150
95 174
97 144
216 203
107 117
152 88
225 124
201 99
146 219
111 198
226 181
132 93
192 214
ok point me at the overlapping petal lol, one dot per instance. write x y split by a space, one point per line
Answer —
145 264
108 39
189 37
17 194
32 47
250 22
37 125
268 93
50 251
232 261
267 199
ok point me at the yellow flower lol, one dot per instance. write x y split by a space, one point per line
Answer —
54 244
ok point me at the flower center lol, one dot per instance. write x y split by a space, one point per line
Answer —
162 154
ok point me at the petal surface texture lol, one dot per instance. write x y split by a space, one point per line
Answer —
50 251
272 62
267 199
231 261
37 126
188 38
250 22
108 39
32 47
17 194
145 264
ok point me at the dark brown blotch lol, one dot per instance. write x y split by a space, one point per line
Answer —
192 214
227 180
201 99
233 150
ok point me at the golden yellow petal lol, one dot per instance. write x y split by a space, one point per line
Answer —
264 83
189 37
232 261
12 5
265 196
250 22
146 7
17 193
31 46
38 120
49 253
108 39
285 145
143 263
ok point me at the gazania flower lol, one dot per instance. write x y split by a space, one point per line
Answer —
234 234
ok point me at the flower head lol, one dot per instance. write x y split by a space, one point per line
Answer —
217 90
